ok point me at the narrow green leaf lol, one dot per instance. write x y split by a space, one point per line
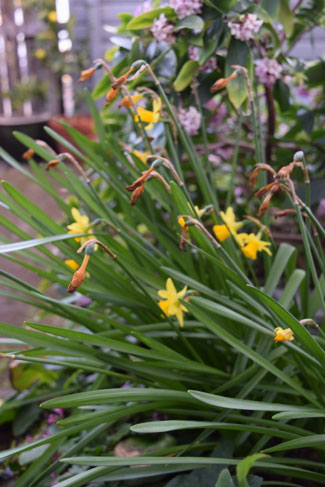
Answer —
27 244
242 404
290 321
224 479
313 441
279 264
186 75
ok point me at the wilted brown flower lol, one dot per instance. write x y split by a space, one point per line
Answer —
122 79
28 154
182 243
87 73
111 95
79 275
51 164
222 82
136 194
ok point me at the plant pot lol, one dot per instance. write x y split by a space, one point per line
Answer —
32 126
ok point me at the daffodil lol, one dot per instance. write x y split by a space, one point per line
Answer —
52 17
198 212
148 116
222 232
141 155
282 335
251 244
80 225
170 304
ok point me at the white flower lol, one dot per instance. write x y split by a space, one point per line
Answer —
268 71
190 119
183 8
245 27
162 30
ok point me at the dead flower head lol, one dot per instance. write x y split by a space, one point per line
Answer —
111 95
51 164
222 82
28 154
137 187
122 79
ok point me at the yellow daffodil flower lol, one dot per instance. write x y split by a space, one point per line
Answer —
222 232
282 335
141 155
170 304
148 116
251 244
80 225
198 212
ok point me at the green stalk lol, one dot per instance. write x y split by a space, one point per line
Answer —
234 161
201 176
309 256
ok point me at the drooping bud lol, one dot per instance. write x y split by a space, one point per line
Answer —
136 194
28 154
111 95
222 82
51 164
79 275
88 73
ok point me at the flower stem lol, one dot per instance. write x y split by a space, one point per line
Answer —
234 161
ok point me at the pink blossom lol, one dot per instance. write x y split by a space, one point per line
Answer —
183 8
210 65
245 27
190 119
143 8
268 71
163 30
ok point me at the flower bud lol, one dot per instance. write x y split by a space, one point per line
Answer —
299 156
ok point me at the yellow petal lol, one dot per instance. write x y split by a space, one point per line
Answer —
164 306
145 115
221 232
250 250
170 286
162 293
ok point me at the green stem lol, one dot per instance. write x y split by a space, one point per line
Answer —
234 161
309 256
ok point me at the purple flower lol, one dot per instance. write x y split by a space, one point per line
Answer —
245 27
183 8
163 30
190 119
268 71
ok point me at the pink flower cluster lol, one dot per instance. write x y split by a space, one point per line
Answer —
268 71
183 8
245 27
210 65
190 119
143 8
163 30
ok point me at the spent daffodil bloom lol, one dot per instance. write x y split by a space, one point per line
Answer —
282 335
222 232
80 225
126 102
251 244
148 116
74 265
170 304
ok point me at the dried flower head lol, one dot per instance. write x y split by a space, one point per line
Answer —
222 82
51 164
28 154
122 79
111 95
